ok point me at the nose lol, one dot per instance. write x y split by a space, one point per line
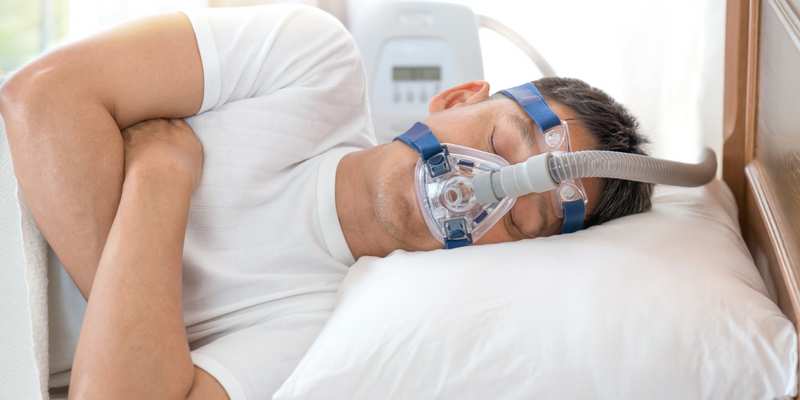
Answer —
457 194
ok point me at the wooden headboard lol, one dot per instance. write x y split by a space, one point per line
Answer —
761 154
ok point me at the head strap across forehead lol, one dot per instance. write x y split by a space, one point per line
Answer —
532 101
529 98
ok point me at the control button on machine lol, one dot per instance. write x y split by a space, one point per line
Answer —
422 97
409 97
396 97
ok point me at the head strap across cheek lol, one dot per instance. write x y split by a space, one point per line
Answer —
421 139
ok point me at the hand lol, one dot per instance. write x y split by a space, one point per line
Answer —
165 147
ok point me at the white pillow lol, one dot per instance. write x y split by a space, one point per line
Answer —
662 305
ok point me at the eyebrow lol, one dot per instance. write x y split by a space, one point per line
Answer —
524 132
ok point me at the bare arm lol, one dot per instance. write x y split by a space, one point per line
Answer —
63 114
133 343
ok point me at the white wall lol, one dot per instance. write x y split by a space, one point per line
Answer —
663 59
89 16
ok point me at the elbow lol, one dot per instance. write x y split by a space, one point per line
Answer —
6 95
28 86
12 106
33 95
19 93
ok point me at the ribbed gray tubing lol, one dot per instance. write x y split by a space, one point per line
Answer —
632 167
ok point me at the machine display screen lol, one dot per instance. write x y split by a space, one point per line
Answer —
416 74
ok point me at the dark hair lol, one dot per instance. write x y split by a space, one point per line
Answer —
614 129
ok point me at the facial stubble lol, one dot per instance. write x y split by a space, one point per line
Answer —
397 217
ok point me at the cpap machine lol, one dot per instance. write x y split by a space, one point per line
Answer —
413 50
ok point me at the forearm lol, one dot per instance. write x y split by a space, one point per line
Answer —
133 342
68 160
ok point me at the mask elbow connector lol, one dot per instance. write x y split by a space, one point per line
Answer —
483 189
531 176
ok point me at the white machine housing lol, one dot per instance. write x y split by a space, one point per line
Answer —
412 51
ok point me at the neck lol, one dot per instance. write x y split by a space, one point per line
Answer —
355 204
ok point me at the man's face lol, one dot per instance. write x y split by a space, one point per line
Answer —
498 126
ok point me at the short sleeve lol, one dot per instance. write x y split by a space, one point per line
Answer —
296 63
253 363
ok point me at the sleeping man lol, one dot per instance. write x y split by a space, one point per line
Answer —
213 285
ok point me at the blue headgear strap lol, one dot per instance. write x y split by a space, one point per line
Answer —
574 213
421 139
532 101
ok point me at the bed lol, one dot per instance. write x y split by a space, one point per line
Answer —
761 166
761 156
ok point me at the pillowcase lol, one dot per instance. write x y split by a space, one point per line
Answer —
662 305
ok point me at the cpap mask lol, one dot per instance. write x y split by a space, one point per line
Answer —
463 192
444 181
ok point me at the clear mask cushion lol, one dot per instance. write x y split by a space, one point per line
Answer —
448 202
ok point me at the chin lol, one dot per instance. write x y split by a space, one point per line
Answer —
399 214
396 205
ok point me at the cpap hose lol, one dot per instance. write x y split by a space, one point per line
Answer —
544 172
518 40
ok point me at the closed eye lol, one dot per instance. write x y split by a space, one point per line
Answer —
541 228
541 205
512 227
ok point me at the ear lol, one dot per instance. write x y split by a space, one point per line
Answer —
461 95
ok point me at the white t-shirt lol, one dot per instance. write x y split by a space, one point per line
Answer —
284 101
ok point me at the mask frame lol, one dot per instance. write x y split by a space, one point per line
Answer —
569 199
556 141
447 200
443 182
